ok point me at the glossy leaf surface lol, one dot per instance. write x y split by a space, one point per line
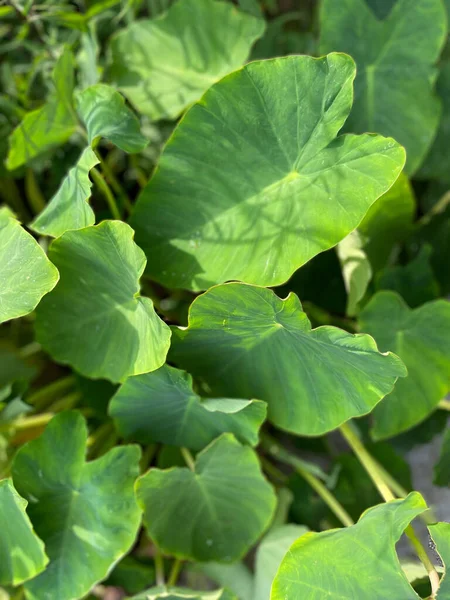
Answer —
106 330
420 338
313 380
162 407
85 513
215 513
163 65
269 184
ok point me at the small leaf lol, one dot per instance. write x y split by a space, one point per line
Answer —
68 209
440 533
245 342
394 92
26 274
162 407
95 320
360 560
105 114
22 553
50 125
442 467
163 65
215 513
356 269
270 185
420 338
176 593
85 513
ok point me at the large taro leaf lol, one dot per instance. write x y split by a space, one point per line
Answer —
50 125
85 513
26 274
162 407
420 338
95 319
394 92
253 182
105 114
245 342
357 562
163 65
440 533
216 512
68 209
22 553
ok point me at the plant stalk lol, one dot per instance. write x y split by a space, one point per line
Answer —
175 572
159 567
116 186
105 189
188 458
43 397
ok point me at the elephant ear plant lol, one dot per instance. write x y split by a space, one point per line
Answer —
224 280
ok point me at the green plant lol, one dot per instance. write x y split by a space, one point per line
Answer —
224 249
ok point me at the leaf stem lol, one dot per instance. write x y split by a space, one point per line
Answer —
188 458
116 186
159 567
104 188
24 423
174 572
444 404
42 397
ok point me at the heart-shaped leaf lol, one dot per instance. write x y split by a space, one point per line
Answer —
26 274
360 560
162 407
245 342
269 184
420 338
85 513
105 114
163 65
391 97
22 553
68 208
95 319
215 513
440 533
50 125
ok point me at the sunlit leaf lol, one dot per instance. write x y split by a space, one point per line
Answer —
245 342
215 513
162 407
163 65
95 320
356 269
85 513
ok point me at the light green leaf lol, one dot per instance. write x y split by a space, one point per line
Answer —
236 577
442 467
163 65
68 209
105 114
85 513
388 222
245 342
440 533
269 555
215 513
95 320
162 407
177 593
394 89
50 125
22 554
420 338
360 560
270 185
26 274
356 269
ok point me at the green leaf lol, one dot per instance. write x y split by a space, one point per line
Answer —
163 407
245 342
388 222
68 209
85 513
163 65
356 270
442 467
235 577
95 320
420 338
50 125
105 114
22 554
176 593
269 555
394 89
440 533
360 560
270 185
26 274
215 513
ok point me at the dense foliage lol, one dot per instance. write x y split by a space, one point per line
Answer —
224 271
